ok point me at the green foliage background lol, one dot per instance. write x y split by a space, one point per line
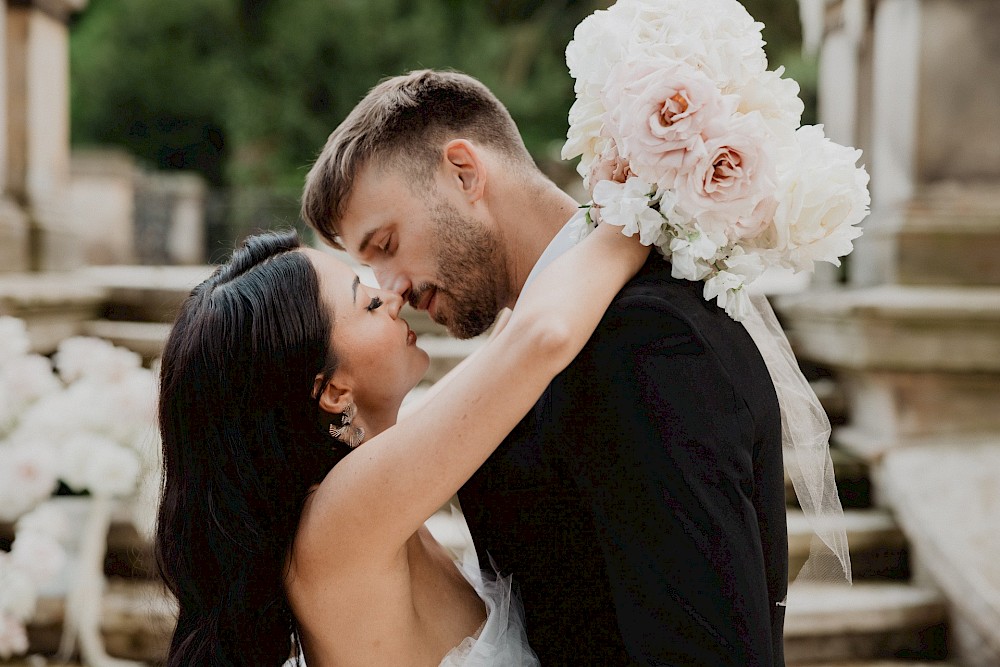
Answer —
246 91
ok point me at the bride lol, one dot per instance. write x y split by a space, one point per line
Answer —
291 520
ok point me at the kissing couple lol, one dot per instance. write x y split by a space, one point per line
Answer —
620 442
615 445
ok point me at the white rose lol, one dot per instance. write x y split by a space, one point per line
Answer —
13 638
822 196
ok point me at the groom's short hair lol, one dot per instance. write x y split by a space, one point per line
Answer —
404 122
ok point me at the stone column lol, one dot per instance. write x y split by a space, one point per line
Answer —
37 114
14 249
916 340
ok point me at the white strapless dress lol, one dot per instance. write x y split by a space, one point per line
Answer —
501 640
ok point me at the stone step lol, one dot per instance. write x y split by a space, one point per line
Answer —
866 621
948 236
146 338
54 306
138 619
878 546
144 293
853 480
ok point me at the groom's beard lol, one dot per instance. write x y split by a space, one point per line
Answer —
472 280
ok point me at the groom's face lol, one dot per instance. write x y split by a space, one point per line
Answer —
425 247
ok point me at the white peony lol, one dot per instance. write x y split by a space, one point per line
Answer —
822 197
776 99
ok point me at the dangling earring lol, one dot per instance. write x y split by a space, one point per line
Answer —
352 436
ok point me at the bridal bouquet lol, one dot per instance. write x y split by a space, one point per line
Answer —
688 140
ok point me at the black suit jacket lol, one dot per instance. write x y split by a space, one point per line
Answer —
639 506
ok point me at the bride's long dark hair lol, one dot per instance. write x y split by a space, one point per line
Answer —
243 441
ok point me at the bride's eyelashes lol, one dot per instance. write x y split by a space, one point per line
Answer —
374 304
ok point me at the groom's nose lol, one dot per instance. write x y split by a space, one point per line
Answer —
393 282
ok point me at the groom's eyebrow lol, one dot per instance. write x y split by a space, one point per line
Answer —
354 287
366 240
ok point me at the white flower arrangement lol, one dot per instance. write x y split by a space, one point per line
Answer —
88 420
687 139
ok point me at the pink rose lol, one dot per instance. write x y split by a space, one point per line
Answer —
658 112
728 184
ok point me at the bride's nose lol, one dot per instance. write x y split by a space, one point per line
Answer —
393 301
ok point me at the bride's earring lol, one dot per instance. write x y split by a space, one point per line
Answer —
352 436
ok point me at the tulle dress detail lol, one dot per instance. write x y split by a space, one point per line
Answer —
502 640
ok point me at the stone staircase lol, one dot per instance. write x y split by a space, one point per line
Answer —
885 618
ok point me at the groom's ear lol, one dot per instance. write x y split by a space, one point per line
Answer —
334 397
465 169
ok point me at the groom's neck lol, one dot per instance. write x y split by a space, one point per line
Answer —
531 219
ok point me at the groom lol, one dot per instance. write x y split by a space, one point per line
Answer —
640 504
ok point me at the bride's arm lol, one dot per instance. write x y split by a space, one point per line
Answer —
377 497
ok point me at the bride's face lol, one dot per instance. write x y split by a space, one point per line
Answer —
376 350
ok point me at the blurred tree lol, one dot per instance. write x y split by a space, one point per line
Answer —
246 91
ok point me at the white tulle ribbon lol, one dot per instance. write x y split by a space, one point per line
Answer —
805 439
